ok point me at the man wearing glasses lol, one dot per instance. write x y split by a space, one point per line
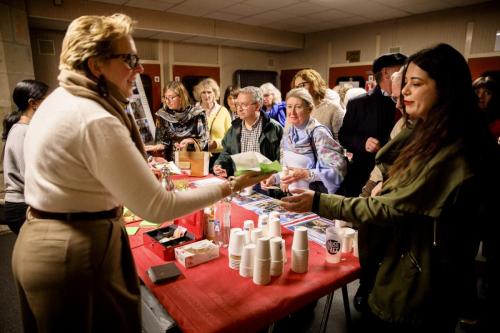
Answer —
252 131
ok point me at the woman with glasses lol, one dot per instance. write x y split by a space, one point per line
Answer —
313 159
178 122
84 160
326 111
27 95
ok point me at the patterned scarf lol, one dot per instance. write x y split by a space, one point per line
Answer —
115 103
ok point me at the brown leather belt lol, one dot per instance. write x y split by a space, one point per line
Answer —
80 216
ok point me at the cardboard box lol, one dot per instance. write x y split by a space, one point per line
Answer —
192 222
196 253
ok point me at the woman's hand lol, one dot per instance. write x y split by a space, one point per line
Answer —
266 183
212 145
153 148
184 143
218 171
301 201
294 174
248 179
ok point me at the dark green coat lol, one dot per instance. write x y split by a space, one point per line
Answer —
423 274
269 142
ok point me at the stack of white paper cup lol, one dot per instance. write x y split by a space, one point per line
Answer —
236 244
262 263
255 235
347 239
274 227
300 250
233 230
355 251
248 226
333 245
247 260
276 256
283 249
264 224
274 215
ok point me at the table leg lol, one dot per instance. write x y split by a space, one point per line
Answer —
326 313
347 308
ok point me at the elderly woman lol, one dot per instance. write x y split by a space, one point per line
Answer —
273 105
207 93
84 160
326 111
432 173
313 159
27 95
178 123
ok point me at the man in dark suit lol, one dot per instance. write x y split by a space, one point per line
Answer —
367 125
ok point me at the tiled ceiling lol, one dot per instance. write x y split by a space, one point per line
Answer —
302 16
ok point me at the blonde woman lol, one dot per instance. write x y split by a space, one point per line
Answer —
207 93
85 159
326 111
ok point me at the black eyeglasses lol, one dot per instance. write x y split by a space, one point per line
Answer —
132 60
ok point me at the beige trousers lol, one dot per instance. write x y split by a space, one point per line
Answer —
76 277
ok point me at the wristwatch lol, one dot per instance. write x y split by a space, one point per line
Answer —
310 174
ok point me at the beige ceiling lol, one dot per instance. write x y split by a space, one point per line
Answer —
302 16
271 25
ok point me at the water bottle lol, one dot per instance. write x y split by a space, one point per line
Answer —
226 221
222 222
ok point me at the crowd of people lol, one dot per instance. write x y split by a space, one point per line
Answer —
403 162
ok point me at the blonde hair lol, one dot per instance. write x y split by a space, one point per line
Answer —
92 36
206 83
269 88
304 95
317 83
181 91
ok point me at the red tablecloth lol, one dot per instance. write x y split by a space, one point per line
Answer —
214 298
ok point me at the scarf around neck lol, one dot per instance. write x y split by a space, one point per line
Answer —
115 103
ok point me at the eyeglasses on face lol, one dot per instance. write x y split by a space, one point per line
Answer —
132 60
301 84
243 106
170 98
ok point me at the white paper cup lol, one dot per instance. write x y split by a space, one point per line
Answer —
263 250
300 241
283 249
340 223
300 260
347 239
276 268
333 245
231 232
256 234
236 243
274 215
262 271
355 250
274 228
234 262
263 223
276 244
248 226
247 260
